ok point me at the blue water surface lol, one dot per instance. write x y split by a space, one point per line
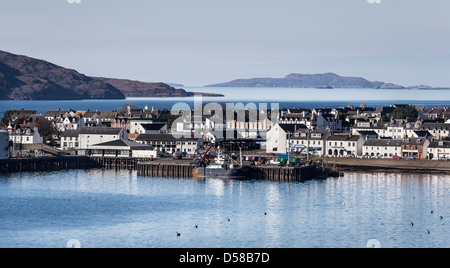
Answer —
120 209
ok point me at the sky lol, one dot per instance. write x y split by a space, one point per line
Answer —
201 42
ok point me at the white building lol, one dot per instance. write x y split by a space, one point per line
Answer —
122 148
70 140
96 135
4 144
439 150
382 148
315 140
25 134
277 137
148 126
438 130
167 143
68 123
344 145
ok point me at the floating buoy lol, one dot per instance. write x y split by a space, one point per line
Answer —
196 226
228 219
344 204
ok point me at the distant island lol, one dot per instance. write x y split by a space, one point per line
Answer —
318 81
25 78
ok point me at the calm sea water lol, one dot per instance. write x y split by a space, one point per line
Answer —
286 97
120 209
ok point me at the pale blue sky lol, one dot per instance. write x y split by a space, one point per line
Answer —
198 42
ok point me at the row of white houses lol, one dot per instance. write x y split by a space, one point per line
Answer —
284 138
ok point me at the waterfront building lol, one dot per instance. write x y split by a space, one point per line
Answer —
315 140
25 134
344 145
97 135
167 143
277 137
416 148
4 144
439 150
70 140
122 149
382 148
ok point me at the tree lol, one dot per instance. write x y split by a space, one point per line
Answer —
46 129
405 112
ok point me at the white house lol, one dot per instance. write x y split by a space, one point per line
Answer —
167 143
68 123
25 134
439 150
122 148
344 145
315 140
382 148
96 135
148 126
438 130
277 137
70 140
4 144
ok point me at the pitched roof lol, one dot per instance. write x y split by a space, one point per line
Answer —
70 133
152 126
344 138
156 137
121 144
292 127
100 130
383 143
439 144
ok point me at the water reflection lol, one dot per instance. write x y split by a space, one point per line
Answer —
121 209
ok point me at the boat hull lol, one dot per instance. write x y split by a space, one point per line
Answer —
232 173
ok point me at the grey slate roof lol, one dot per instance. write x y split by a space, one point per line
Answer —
383 143
100 130
70 133
124 143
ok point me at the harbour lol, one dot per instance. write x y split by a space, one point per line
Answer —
108 208
157 168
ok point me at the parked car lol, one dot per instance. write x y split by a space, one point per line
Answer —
396 157
274 162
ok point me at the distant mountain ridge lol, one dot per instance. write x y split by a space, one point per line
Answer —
25 78
305 81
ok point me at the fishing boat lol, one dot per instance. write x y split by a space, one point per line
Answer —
223 167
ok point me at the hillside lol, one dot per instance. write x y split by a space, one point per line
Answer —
304 81
25 78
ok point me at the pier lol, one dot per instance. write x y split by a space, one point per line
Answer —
146 168
46 164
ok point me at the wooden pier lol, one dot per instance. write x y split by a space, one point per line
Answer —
146 168
278 174
46 164
165 170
